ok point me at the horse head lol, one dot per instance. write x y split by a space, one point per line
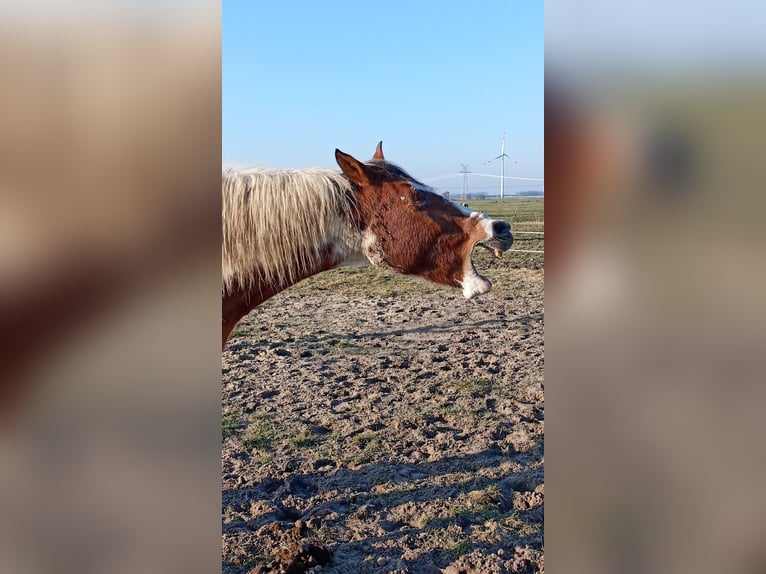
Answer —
408 227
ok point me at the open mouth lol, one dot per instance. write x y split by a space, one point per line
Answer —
474 283
498 244
501 240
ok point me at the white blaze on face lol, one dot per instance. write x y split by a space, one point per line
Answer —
484 220
486 223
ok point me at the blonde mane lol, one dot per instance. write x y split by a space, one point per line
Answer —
276 223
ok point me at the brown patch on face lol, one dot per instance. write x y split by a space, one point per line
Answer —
416 232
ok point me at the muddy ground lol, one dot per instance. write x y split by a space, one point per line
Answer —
373 424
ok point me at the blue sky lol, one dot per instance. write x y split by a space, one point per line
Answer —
438 82
655 36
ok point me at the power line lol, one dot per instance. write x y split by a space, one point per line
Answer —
509 177
519 186
447 175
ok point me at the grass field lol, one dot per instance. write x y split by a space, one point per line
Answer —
525 210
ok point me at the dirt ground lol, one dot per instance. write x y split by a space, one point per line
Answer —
373 424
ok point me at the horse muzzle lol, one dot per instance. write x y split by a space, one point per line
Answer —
501 239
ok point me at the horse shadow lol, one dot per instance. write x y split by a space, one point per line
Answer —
324 336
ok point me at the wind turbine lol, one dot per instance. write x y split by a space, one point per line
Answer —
502 157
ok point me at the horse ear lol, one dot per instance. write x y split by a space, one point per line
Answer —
379 151
351 168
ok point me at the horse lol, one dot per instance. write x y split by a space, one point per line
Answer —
283 226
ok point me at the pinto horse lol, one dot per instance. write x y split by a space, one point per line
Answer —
280 227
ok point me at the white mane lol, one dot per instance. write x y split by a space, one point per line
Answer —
276 223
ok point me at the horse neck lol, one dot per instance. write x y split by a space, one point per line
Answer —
239 301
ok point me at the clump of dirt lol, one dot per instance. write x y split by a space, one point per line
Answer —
380 433
296 559
290 551
523 561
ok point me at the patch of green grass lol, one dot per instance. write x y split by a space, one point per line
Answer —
474 386
362 440
261 433
230 424
323 534
244 564
493 491
425 520
304 441
453 409
370 446
525 529
458 548
239 330
454 545
370 453
347 347
484 506
479 512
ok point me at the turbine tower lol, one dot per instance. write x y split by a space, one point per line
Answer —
502 157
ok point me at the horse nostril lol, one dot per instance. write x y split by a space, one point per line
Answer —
501 228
